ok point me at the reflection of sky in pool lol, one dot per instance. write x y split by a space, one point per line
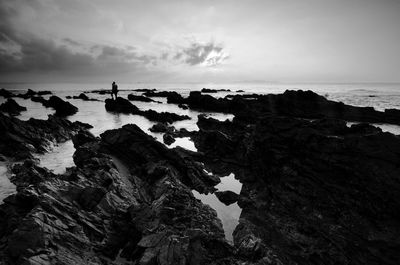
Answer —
229 215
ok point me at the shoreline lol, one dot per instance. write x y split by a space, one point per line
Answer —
303 171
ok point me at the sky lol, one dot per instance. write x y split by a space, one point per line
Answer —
200 41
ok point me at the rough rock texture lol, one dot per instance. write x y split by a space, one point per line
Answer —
12 107
19 139
97 213
313 192
122 105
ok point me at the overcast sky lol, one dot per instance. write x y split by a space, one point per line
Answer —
200 41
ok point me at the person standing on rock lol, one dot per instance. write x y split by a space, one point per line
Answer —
114 90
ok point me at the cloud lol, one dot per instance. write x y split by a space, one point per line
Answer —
209 54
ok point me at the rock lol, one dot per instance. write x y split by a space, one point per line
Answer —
308 183
84 97
168 139
12 107
160 127
165 117
96 212
207 90
5 93
38 99
82 137
144 90
63 108
44 92
227 197
133 97
183 106
19 139
120 105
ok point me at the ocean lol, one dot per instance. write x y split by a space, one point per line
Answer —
378 96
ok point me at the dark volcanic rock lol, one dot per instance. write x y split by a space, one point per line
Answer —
227 197
19 139
63 108
12 107
330 189
144 90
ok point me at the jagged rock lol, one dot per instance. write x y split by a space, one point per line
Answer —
12 107
227 197
140 147
63 108
19 139
309 184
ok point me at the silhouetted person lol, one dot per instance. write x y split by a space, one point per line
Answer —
114 90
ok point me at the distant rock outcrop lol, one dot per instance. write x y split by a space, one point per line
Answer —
12 107
122 105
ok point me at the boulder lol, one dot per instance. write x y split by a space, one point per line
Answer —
227 197
168 139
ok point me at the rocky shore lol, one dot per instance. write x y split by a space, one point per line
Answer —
315 191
